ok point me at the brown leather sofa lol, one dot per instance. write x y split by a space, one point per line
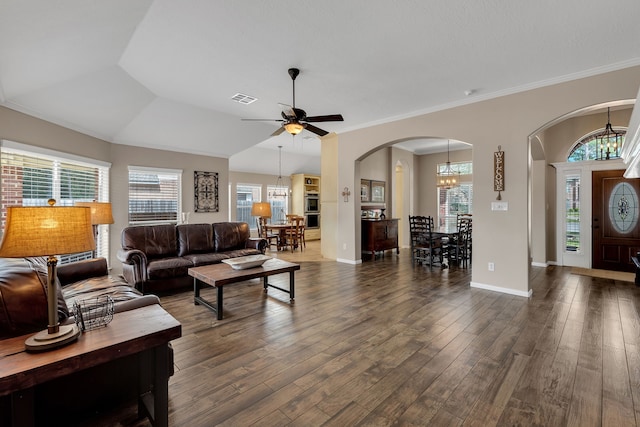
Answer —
157 257
23 298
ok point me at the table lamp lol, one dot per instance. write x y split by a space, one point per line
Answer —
100 214
48 231
261 209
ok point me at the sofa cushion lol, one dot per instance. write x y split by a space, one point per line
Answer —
242 252
39 265
23 297
230 235
205 259
195 239
156 241
168 268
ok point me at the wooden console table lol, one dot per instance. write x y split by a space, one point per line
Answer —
145 331
379 235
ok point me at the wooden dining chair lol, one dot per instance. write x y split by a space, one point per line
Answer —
271 238
301 241
424 247
292 234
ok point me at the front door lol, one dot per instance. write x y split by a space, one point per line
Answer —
615 231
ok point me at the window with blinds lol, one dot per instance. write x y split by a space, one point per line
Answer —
154 195
457 200
32 175
246 194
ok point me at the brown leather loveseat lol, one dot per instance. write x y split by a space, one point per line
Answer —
23 297
157 257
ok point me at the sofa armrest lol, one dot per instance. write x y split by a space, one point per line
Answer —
134 266
80 270
257 243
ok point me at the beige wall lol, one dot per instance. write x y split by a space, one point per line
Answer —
508 121
25 129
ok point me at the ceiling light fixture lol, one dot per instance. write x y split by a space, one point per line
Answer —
279 190
609 142
447 178
293 128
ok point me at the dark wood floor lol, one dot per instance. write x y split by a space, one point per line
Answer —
388 343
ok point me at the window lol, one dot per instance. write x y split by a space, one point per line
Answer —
246 194
456 200
278 198
572 212
586 148
32 175
154 195
463 168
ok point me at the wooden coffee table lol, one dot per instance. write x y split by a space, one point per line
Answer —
219 275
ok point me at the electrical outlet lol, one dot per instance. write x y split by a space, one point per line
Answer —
492 267
344 246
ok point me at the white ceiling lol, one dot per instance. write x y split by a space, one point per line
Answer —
162 73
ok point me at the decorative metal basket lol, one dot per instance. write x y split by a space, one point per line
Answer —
93 313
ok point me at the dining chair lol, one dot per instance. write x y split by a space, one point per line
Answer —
271 238
425 248
301 239
459 242
292 234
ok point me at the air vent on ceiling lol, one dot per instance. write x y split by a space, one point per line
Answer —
243 99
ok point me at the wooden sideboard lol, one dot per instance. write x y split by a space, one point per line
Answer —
379 235
142 335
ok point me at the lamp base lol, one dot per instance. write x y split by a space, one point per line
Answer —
43 340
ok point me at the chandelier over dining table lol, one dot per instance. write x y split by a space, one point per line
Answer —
447 178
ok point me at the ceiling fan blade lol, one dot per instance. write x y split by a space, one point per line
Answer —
278 131
316 130
327 118
262 120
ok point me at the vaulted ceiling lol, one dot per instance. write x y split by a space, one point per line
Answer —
162 73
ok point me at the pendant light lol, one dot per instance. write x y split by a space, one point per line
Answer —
609 142
279 190
447 178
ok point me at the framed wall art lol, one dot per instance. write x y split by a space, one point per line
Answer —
205 191
377 191
365 190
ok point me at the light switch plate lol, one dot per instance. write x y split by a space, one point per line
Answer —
499 206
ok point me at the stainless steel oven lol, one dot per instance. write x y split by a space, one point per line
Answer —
312 220
311 203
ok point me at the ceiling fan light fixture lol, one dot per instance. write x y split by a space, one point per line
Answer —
293 128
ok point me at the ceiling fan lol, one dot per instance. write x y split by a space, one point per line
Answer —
294 120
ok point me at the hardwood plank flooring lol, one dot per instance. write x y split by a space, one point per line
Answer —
389 343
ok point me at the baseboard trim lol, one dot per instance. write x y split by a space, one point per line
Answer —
502 290
349 261
539 264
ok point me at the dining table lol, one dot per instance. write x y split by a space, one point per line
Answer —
281 230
